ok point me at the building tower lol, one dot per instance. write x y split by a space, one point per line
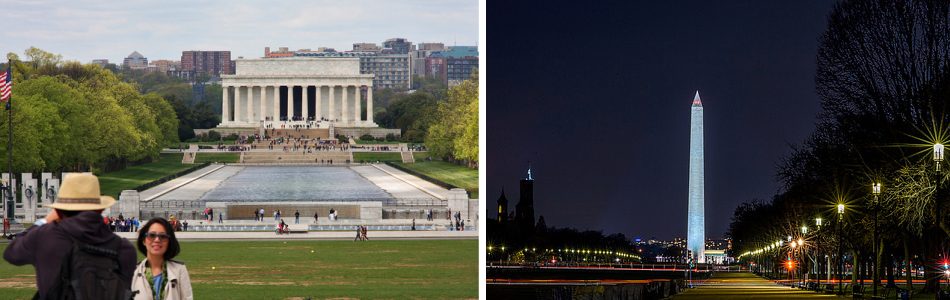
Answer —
524 212
696 224
502 207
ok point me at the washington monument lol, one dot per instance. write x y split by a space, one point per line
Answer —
696 223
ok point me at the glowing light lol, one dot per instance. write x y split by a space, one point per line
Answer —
876 188
840 209
938 152
801 242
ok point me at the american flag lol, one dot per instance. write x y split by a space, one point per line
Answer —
6 84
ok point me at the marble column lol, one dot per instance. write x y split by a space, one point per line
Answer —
238 105
225 105
304 106
358 105
369 104
249 114
345 103
318 101
290 103
260 95
332 108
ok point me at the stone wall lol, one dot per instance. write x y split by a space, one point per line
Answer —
364 211
297 66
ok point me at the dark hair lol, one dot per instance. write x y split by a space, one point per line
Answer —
173 247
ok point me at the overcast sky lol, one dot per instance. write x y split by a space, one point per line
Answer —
87 30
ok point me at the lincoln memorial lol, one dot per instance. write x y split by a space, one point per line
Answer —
279 93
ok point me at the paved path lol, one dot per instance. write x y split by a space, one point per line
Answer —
746 286
319 235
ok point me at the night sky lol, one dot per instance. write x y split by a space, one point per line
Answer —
597 97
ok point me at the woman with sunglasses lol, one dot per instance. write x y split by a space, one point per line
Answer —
159 277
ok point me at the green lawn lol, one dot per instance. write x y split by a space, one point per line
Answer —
420 156
217 157
376 156
113 183
453 174
398 269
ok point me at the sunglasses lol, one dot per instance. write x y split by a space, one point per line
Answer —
156 236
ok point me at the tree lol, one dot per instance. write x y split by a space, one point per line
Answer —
74 117
455 132
883 76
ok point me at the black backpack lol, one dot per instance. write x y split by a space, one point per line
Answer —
90 273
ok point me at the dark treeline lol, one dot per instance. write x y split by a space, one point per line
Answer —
527 244
883 77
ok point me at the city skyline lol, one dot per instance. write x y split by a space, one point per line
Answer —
87 30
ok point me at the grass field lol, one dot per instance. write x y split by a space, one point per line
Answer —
399 269
376 156
113 183
453 174
217 157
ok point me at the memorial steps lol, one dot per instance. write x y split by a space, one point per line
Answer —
322 133
407 157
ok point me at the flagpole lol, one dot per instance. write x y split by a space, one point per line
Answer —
9 194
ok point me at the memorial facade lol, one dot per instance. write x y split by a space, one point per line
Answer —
316 92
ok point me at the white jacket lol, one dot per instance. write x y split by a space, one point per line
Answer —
178 286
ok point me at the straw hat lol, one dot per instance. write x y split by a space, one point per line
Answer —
80 191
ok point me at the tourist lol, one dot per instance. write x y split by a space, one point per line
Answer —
220 217
262 214
71 219
365 238
315 217
256 218
158 276
184 225
359 234
413 224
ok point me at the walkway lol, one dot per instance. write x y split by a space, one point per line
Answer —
328 235
746 286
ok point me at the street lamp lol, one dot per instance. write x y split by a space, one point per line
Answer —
818 250
840 255
938 155
801 254
876 190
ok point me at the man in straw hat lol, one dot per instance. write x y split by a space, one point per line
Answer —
76 215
